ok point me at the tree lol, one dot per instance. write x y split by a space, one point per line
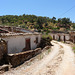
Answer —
66 21
73 26
36 26
2 19
59 20
54 20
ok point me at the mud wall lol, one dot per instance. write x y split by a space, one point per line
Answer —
19 58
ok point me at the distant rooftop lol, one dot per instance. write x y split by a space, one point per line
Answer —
13 29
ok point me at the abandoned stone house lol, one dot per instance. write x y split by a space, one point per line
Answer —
18 41
60 36
21 42
63 36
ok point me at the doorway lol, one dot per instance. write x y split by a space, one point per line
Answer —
28 45
59 38
74 39
64 38
53 37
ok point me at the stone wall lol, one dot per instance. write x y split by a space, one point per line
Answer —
3 50
1 54
19 58
72 36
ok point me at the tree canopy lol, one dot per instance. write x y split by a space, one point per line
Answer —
36 22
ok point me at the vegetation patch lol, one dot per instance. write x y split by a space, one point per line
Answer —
39 23
47 37
45 41
48 51
73 48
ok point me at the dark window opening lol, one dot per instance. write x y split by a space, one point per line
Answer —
36 39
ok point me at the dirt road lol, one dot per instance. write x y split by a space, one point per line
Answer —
60 61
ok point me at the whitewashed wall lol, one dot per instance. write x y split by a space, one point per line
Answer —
67 37
17 43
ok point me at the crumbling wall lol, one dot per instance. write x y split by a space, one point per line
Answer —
19 58
1 54
60 36
3 49
72 36
17 42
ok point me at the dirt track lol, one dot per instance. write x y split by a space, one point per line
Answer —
60 61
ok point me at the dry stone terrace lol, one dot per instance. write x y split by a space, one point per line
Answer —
18 58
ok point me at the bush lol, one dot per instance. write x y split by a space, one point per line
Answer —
73 48
47 36
45 41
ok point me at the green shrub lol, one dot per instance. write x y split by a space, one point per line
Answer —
47 36
73 48
45 41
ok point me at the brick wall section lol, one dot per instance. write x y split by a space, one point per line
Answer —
19 58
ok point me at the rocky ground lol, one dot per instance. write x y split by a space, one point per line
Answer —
59 60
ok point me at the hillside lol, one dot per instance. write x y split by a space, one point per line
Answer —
42 24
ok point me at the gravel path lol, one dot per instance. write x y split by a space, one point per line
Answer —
67 66
60 61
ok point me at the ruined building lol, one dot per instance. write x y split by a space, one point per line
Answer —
63 36
15 40
60 36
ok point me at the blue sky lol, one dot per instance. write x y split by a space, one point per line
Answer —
47 8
